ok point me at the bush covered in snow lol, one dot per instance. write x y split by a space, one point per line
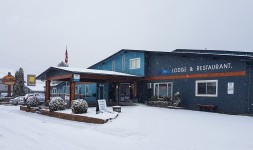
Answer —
159 103
57 103
166 101
177 99
163 102
79 106
32 101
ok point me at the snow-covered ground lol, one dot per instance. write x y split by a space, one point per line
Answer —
137 127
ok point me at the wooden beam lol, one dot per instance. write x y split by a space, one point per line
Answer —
47 95
105 77
204 75
60 77
72 91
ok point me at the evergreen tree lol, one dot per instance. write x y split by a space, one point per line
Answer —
62 64
19 87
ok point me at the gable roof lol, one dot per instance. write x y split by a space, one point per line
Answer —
122 50
73 70
39 87
187 51
214 52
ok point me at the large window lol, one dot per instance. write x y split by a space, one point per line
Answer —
123 63
162 90
86 90
135 63
207 88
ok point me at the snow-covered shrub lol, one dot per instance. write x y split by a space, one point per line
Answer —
153 98
57 103
79 106
164 102
32 101
177 99
159 103
166 99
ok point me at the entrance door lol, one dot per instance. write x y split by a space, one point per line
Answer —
101 91
124 91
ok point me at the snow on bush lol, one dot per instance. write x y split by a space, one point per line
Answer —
79 106
154 101
32 101
177 99
57 103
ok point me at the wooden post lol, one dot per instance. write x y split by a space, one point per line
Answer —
97 96
135 88
117 93
72 91
47 91
9 91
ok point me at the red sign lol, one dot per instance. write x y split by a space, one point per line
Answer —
9 80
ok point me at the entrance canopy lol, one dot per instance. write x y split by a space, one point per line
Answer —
66 73
86 75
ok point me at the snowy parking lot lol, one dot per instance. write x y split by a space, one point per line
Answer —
137 127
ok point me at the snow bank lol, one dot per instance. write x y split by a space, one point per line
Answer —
91 112
137 127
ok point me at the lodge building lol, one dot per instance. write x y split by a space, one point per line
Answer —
208 77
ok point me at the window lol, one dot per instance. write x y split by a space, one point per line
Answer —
113 65
123 63
78 89
208 88
67 90
135 63
162 90
86 90
64 89
54 91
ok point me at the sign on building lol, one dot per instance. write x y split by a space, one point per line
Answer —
31 80
76 77
230 87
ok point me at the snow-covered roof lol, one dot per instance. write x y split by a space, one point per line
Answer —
73 70
215 52
94 71
38 87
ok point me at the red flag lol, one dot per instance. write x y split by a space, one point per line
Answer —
66 56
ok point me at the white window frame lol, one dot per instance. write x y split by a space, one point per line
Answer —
123 62
136 65
86 91
206 81
54 91
167 89
113 65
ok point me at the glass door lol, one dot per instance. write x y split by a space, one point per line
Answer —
101 91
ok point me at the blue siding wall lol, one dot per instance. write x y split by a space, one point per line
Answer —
168 64
107 64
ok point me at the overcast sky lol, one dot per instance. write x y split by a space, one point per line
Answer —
34 33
